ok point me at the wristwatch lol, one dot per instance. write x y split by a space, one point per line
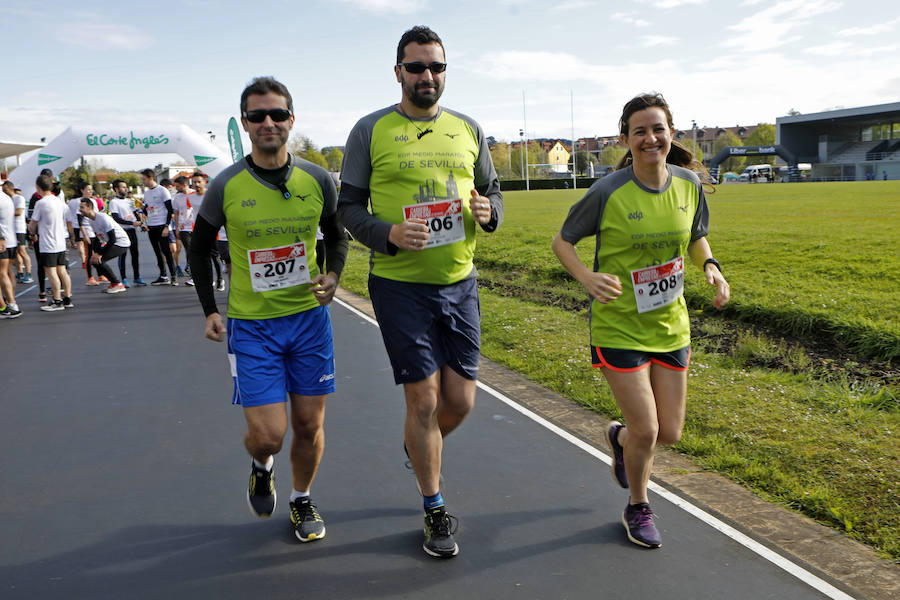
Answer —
712 261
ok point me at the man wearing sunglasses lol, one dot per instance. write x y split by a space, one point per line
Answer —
279 330
428 174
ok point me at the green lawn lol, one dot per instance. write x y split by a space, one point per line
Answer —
809 260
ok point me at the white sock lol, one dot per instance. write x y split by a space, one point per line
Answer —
13 305
269 464
295 494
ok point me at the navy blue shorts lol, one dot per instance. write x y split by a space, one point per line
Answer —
426 326
625 361
271 357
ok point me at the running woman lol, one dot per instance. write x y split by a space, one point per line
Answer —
422 231
646 218
279 329
158 205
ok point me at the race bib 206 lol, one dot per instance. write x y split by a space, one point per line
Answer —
444 218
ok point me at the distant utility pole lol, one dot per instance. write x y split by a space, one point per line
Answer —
525 135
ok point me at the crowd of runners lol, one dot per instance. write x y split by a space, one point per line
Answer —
417 184
102 235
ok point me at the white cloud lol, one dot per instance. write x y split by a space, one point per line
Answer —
673 3
769 28
659 40
383 7
630 19
573 5
846 49
103 37
870 29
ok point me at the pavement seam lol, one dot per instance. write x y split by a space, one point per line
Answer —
827 553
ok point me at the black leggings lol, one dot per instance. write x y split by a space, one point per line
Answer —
110 252
135 255
161 249
39 265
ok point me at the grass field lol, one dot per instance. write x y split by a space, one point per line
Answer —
811 262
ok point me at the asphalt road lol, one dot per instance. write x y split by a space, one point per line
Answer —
126 478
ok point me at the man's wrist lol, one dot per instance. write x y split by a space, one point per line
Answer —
712 261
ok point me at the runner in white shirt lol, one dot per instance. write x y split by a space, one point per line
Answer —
22 262
8 245
123 212
158 204
198 182
80 232
48 221
182 205
109 242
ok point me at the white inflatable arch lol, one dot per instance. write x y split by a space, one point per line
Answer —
76 142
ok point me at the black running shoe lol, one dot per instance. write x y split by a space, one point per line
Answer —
9 313
161 280
638 522
308 525
618 454
261 494
439 530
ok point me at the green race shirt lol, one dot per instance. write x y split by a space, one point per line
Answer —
265 232
635 228
402 162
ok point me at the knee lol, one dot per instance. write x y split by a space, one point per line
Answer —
643 435
668 435
264 441
307 430
422 405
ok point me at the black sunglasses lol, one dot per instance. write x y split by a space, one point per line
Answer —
258 116
419 67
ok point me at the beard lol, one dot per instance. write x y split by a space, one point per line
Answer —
428 99
271 146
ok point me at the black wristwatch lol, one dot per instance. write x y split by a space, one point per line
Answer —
712 261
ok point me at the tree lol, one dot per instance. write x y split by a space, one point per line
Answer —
583 158
302 146
334 157
688 142
611 154
763 135
735 163
72 178
503 163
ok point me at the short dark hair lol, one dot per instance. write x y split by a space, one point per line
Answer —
10 184
165 182
116 183
47 172
420 34
199 174
83 185
261 86
181 179
44 182
149 173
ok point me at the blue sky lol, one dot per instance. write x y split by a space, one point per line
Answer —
124 64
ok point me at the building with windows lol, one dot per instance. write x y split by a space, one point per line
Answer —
849 144
558 157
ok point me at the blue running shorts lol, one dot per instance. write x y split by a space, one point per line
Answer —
271 357
426 326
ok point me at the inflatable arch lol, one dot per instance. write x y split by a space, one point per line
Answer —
728 152
76 142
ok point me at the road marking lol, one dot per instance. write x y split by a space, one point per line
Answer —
773 557
26 290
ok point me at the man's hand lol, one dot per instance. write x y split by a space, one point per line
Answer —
215 328
480 207
95 259
323 287
410 235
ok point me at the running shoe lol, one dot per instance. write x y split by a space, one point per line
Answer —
67 302
308 525
18 277
220 285
161 280
190 282
91 281
174 282
53 306
618 454
139 282
8 312
439 530
638 522
117 288
261 494
103 279
125 283
27 278
179 272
